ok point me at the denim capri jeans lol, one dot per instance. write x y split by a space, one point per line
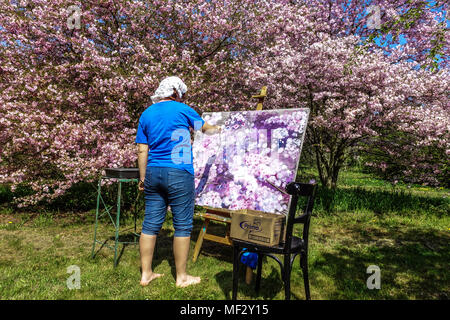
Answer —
164 186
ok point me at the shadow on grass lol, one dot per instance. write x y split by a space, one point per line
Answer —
414 265
162 247
271 285
209 248
108 243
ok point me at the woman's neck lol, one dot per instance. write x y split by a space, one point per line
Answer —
176 100
167 99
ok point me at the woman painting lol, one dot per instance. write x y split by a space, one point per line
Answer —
167 174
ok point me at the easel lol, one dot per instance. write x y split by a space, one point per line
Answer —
223 215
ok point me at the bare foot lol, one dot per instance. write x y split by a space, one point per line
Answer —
187 281
146 278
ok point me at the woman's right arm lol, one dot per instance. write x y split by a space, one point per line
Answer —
210 129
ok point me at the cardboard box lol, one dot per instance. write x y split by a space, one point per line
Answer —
258 227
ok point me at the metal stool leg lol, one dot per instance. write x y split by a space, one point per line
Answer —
135 228
99 187
136 203
119 191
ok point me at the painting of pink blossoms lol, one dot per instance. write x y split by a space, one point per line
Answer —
251 160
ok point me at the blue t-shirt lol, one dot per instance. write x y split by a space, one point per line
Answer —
164 126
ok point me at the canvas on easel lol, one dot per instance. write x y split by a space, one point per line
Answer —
248 164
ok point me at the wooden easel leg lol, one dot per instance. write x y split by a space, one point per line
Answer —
227 235
198 244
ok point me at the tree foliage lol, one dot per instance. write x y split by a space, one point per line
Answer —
71 94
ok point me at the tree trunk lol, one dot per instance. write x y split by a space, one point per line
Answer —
329 162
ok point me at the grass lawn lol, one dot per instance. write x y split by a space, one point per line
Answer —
404 231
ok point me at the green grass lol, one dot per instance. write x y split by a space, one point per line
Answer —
405 231
360 192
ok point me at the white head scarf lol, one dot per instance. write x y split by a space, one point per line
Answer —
166 87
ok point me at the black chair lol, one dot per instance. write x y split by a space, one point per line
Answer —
292 246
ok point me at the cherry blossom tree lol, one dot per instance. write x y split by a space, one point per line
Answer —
357 89
77 75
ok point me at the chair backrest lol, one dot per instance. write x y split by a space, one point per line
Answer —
297 190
